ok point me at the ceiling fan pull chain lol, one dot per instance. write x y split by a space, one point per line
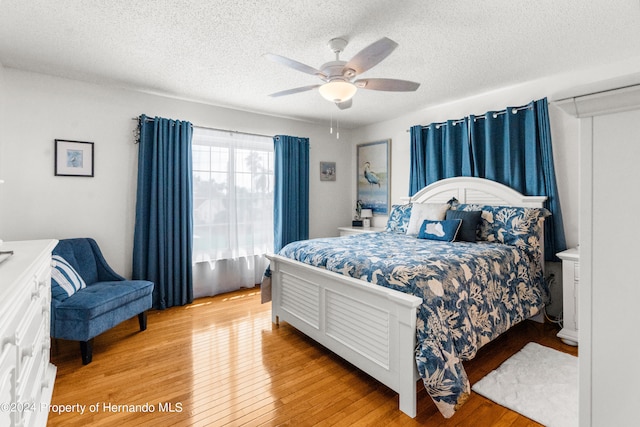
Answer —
331 125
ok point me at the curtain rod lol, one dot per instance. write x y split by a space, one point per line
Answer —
235 131
514 110
218 129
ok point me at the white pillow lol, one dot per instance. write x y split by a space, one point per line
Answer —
64 278
422 211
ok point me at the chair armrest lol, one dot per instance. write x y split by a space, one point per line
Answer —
105 272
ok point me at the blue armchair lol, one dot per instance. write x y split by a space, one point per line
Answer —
88 297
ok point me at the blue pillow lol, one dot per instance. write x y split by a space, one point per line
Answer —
469 227
445 230
65 281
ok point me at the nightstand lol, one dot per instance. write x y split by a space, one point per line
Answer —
570 285
345 231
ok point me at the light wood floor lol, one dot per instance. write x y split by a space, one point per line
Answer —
220 361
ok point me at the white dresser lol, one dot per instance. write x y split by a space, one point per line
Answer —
570 287
26 376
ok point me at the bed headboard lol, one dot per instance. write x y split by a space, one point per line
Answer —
479 191
476 191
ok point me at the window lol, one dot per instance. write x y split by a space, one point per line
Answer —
232 195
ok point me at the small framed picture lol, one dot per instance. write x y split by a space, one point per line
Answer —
73 158
327 171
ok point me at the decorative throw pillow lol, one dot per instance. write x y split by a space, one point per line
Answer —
399 218
65 281
423 211
469 227
446 230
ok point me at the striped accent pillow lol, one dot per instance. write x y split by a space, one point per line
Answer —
65 281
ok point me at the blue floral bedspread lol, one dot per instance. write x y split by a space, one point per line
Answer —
472 292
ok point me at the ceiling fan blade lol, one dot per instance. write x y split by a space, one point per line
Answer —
294 64
391 85
371 55
344 105
294 90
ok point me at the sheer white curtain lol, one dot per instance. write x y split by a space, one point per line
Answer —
232 209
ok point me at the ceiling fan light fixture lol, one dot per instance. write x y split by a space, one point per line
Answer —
338 91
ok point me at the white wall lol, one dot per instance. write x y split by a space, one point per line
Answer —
36 204
2 140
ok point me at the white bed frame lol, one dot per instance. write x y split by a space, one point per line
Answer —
371 326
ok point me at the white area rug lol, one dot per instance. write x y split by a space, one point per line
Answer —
538 382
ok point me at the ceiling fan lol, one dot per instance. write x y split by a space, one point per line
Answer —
339 86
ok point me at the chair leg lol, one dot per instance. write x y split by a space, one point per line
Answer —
142 319
86 348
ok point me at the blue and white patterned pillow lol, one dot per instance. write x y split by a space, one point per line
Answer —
445 230
510 225
65 281
399 218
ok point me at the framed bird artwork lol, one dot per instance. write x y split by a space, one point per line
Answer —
374 162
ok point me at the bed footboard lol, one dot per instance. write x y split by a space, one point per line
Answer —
370 326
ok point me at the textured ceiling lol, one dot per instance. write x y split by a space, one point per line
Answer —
211 51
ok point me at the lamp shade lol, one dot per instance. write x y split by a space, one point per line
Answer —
366 213
337 91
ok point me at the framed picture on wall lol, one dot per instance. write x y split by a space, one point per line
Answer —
374 164
73 158
327 171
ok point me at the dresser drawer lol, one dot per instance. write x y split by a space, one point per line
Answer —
27 334
30 358
12 319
